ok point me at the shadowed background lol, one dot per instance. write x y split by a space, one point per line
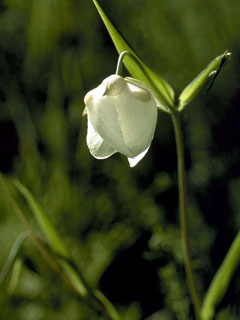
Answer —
121 224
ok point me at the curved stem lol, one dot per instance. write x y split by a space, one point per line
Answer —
120 62
183 212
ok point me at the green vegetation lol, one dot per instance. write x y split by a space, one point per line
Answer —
112 232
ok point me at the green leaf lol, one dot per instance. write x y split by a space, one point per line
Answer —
15 276
12 256
44 223
221 280
54 241
136 67
208 74
58 254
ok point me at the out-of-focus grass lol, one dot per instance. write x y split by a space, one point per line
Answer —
51 54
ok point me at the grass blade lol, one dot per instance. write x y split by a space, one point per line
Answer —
221 280
12 256
54 241
44 223
62 257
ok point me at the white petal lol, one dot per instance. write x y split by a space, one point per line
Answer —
97 146
144 86
138 118
138 83
135 160
125 119
103 112
122 117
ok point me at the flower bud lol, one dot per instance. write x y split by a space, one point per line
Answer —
122 117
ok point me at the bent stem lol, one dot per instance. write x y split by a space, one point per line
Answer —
120 61
183 212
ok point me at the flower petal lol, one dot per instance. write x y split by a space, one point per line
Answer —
97 146
142 85
125 119
135 160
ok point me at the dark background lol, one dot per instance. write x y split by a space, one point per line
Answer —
120 224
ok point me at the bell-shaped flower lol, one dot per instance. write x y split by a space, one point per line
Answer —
122 117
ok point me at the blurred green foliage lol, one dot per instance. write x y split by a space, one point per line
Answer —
120 224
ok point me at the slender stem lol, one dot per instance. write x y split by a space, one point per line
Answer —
133 57
183 213
120 61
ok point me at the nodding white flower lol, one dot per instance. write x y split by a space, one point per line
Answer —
122 117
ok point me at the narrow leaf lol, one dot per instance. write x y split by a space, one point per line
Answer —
136 67
208 74
43 221
12 256
221 280
54 241
69 269
15 276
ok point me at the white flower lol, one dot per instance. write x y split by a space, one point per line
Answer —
122 117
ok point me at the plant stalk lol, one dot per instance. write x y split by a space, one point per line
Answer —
183 212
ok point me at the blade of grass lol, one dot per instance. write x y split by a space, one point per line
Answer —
60 253
47 254
53 238
15 276
221 280
137 68
43 221
12 255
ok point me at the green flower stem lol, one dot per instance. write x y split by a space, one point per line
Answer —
183 212
221 280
